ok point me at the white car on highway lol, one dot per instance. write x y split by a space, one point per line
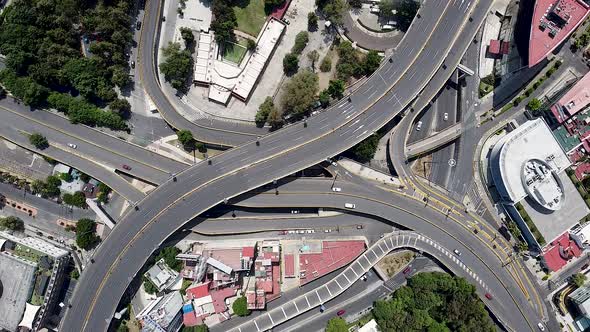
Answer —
446 116
336 189
72 145
349 205
419 126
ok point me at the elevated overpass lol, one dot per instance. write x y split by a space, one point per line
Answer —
434 141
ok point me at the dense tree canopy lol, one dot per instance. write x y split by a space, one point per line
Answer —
578 279
39 141
365 150
433 302
240 307
12 223
42 44
76 199
185 137
169 256
86 236
301 40
300 93
264 111
337 324
176 66
290 63
224 21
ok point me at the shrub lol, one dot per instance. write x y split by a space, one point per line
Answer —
39 141
240 307
301 41
326 64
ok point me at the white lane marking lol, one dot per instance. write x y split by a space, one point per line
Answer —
337 283
364 132
272 321
284 313
372 94
359 128
328 290
306 299
257 328
318 294
295 304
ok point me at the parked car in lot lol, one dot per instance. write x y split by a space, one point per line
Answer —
127 167
341 312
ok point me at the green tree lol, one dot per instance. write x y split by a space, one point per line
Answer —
578 279
334 9
348 62
198 328
251 45
372 61
39 141
149 286
534 104
74 274
337 324
12 223
240 307
355 3
312 21
86 237
120 76
336 89
290 64
365 150
187 35
185 137
313 56
169 256
77 199
176 66
326 64
121 107
37 187
51 188
264 110
67 177
300 93
84 177
324 98
275 119
301 40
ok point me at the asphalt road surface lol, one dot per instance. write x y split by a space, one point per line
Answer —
284 152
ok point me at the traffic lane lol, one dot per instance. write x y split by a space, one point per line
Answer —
88 150
447 105
426 23
427 120
473 253
205 130
358 296
104 175
354 300
442 165
78 132
162 199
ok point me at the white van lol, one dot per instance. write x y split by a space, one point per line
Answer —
349 205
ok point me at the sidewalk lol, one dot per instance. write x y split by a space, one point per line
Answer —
369 173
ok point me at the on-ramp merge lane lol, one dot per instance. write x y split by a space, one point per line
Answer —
249 166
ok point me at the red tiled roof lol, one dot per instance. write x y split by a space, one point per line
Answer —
279 12
190 319
198 291
541 43
265 285
575 100
554 252
334 255
219 296
494 47
248 252
289 266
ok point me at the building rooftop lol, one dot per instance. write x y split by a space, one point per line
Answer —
161 275
17 279
542 185
531 140
552 224
36 244
575 100
553 21
334 255
162 313
560 251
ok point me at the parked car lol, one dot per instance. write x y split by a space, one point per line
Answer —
132 64
138 25
419 126
457 252
349 205
364 277
328 230
341 312
488 296
72 145
541 327
282 232
127 167
336 189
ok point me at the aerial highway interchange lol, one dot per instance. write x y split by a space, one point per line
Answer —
252 172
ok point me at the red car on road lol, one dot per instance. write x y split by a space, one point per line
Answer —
407 270
341 312
488 296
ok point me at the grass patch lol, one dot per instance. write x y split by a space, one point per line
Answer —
251 16
28 253
393 263
234 52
